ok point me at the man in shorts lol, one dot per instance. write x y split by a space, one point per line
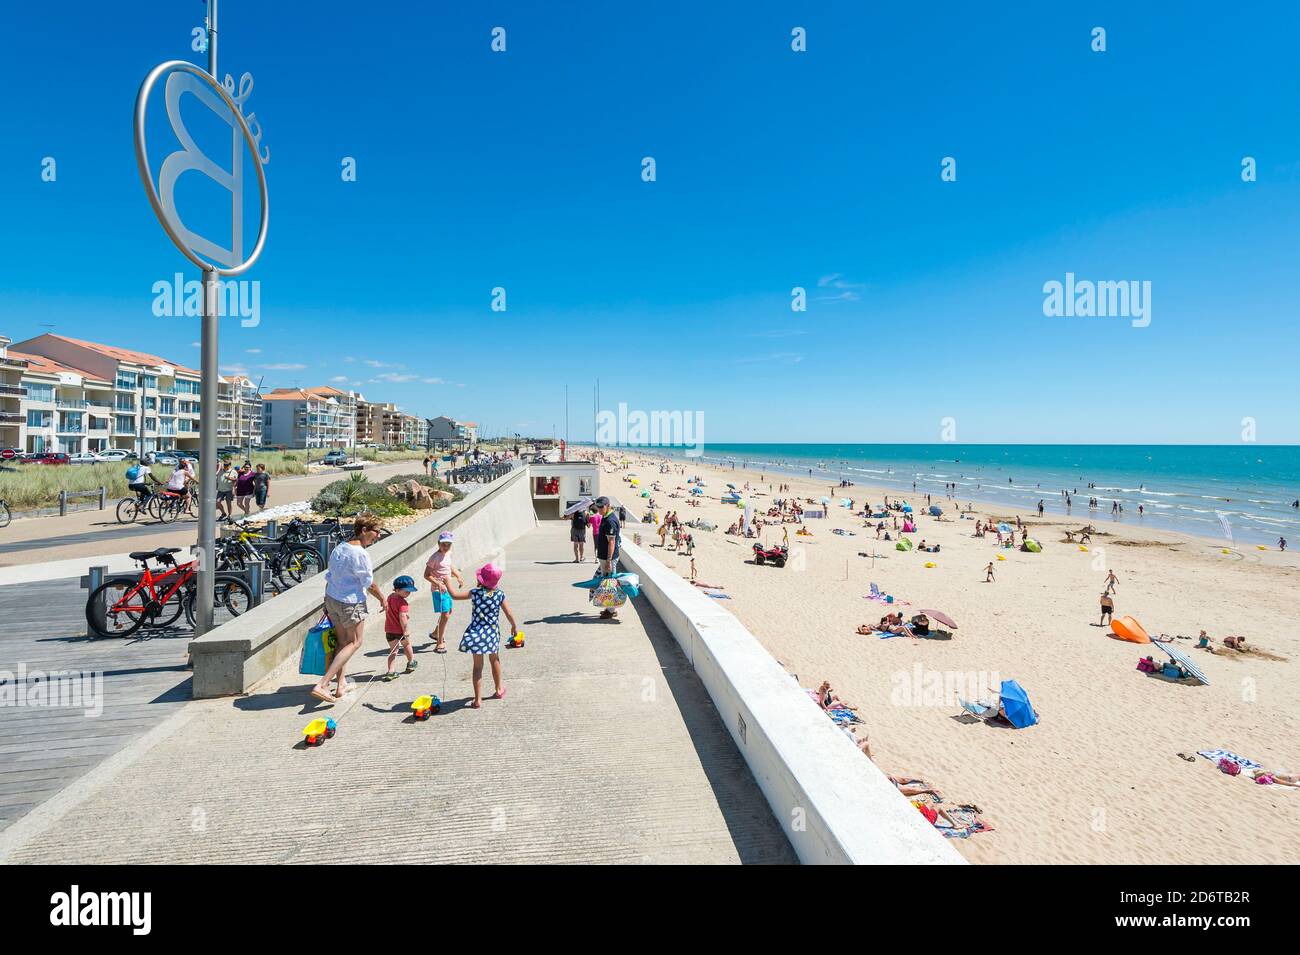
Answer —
438 572
607 542
226 475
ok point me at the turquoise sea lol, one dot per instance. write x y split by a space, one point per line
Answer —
1189 488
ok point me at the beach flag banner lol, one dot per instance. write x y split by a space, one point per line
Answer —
1227 527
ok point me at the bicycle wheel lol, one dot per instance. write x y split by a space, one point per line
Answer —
169 510
128 509
192 505
301 563
5 515
116 608
154 506
230 598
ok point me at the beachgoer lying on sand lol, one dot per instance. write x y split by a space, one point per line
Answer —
1236 643
828 700
913 786
1280 777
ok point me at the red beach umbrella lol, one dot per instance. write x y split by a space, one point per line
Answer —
941 617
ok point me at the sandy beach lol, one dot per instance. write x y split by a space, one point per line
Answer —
1099 779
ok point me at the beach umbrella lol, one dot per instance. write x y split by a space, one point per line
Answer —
732 486
1178 655
940 616
935 510
1015 703
1004 527
580 506
826 500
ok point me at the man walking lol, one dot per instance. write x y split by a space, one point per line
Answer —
607 543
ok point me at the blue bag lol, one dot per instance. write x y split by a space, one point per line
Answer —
318 649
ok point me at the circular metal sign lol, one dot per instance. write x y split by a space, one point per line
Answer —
184 77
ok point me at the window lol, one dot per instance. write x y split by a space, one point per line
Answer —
150 404
70 423
125 403
151 424
127 381
151 381
125 424
37 392
168 406
40 419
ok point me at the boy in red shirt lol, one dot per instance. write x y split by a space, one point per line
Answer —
397 625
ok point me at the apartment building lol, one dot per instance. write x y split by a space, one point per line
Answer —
86 396
448 432
307 418
239 412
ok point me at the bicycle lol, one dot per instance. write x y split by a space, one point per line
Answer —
5 514
130 508
289 563
123 604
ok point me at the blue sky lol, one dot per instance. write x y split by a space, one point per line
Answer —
775 169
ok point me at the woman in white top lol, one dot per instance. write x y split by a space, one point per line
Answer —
347 581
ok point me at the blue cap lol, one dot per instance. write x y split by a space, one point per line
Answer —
405 583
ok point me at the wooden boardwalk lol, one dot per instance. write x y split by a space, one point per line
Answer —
44 748
606 749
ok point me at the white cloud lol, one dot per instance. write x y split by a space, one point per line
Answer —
433 381
394 377
339 378
253 351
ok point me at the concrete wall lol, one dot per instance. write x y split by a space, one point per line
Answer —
235 656
834 804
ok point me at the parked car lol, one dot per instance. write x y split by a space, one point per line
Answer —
336 458
229 450
167 458
87 457
52 457
191 455
118 455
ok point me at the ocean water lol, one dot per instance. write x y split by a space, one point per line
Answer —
1189 488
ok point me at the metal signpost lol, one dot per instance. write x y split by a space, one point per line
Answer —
184 77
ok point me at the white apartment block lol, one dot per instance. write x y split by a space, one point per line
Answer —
83 396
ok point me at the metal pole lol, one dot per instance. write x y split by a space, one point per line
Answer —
208 413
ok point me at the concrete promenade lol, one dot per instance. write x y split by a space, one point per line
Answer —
606 749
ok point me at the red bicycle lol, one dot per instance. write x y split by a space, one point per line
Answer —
123 604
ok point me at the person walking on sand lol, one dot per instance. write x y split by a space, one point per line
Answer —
988 573
483 636
438 571
1112 582
1281 543
1107 609
348 580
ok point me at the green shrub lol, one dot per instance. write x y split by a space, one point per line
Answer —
353 495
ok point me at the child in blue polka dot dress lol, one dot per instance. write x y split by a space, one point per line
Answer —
483 636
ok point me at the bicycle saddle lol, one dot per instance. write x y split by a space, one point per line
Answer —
158 554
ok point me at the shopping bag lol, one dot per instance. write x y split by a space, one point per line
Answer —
607 595
318 649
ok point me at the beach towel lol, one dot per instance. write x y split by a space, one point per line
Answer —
1214 755
967 823
717 596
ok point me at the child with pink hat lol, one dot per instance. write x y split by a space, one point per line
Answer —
483 636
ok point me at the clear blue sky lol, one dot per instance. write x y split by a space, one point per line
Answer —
775 169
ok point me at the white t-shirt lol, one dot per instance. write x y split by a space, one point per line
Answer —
177 481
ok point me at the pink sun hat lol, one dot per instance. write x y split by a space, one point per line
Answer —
489 575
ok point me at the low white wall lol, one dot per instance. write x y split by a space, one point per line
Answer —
834 804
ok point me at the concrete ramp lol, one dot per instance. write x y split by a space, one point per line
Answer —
606 749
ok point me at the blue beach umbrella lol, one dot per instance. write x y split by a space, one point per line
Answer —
1015 702
1004 527
907 508
936 510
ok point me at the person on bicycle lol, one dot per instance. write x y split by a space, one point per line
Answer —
138 477
181 479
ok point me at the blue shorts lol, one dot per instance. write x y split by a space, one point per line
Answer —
442 602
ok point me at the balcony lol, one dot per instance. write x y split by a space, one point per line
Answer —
12 417
72 429
17 391
74 403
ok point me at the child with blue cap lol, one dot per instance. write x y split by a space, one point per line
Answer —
397 625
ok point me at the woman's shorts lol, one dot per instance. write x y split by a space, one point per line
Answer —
346 614
442 603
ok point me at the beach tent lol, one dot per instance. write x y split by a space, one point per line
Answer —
1033 546
903 544
1015 703
936 510
1178 655
1126 628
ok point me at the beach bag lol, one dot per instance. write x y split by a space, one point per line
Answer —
133 474
1230 767
608 595
318 649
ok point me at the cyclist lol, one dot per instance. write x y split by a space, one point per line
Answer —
180 481
138 477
